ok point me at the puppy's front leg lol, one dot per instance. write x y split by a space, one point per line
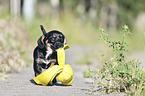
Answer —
52 62
37 68
49 63
40 61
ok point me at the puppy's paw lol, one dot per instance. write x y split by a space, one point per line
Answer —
53 60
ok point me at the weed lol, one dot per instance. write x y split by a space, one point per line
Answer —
119 74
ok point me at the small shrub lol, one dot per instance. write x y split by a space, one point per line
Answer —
119 74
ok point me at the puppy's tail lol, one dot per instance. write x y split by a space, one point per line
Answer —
43 30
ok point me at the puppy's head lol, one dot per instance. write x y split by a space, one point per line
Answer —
53 39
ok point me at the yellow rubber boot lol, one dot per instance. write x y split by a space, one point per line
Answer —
47 76
66 76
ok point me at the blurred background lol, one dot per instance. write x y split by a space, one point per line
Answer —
79 20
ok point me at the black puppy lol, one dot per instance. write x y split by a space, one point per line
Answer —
45 54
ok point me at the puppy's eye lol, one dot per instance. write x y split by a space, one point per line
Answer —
54 36
60 36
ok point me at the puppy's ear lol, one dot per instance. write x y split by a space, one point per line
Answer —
64 41
43 30
65 45
40 42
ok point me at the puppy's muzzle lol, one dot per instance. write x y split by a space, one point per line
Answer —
58 45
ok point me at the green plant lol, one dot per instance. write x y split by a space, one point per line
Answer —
119 74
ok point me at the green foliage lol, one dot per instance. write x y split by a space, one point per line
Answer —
119 74
87 74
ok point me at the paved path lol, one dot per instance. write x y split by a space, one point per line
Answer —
20 83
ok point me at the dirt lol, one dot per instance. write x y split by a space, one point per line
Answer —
21 84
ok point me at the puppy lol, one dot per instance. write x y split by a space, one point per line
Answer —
45 54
